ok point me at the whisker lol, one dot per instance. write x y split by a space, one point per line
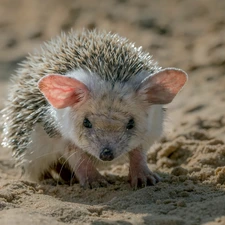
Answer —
62 156
73 174
65 163
89 159
46 154
75 168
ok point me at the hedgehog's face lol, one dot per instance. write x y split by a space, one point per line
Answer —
107 128
107 136
107 119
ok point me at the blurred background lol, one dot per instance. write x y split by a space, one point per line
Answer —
182 33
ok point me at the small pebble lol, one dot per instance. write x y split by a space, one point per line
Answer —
181 203
177 171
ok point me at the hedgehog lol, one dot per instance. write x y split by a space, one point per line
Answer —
87 98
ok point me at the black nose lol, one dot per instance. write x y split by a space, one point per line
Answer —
106 154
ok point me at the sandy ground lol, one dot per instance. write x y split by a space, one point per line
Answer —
191 155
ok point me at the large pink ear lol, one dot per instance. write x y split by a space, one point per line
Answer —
162 87
62 91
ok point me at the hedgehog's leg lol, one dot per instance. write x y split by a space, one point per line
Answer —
84 169
139 173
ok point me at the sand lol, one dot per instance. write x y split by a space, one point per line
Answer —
190 157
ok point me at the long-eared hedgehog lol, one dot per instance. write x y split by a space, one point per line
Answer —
88 97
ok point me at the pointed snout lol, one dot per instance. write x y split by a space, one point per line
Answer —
106 154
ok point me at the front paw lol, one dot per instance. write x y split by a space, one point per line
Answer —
88 175
92 180
83 167
142 177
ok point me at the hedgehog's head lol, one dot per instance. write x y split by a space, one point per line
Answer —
107 119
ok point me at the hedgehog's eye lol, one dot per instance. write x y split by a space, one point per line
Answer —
130 124
87 123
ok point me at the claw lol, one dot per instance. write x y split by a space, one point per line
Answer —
139 174
90 183
149 179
